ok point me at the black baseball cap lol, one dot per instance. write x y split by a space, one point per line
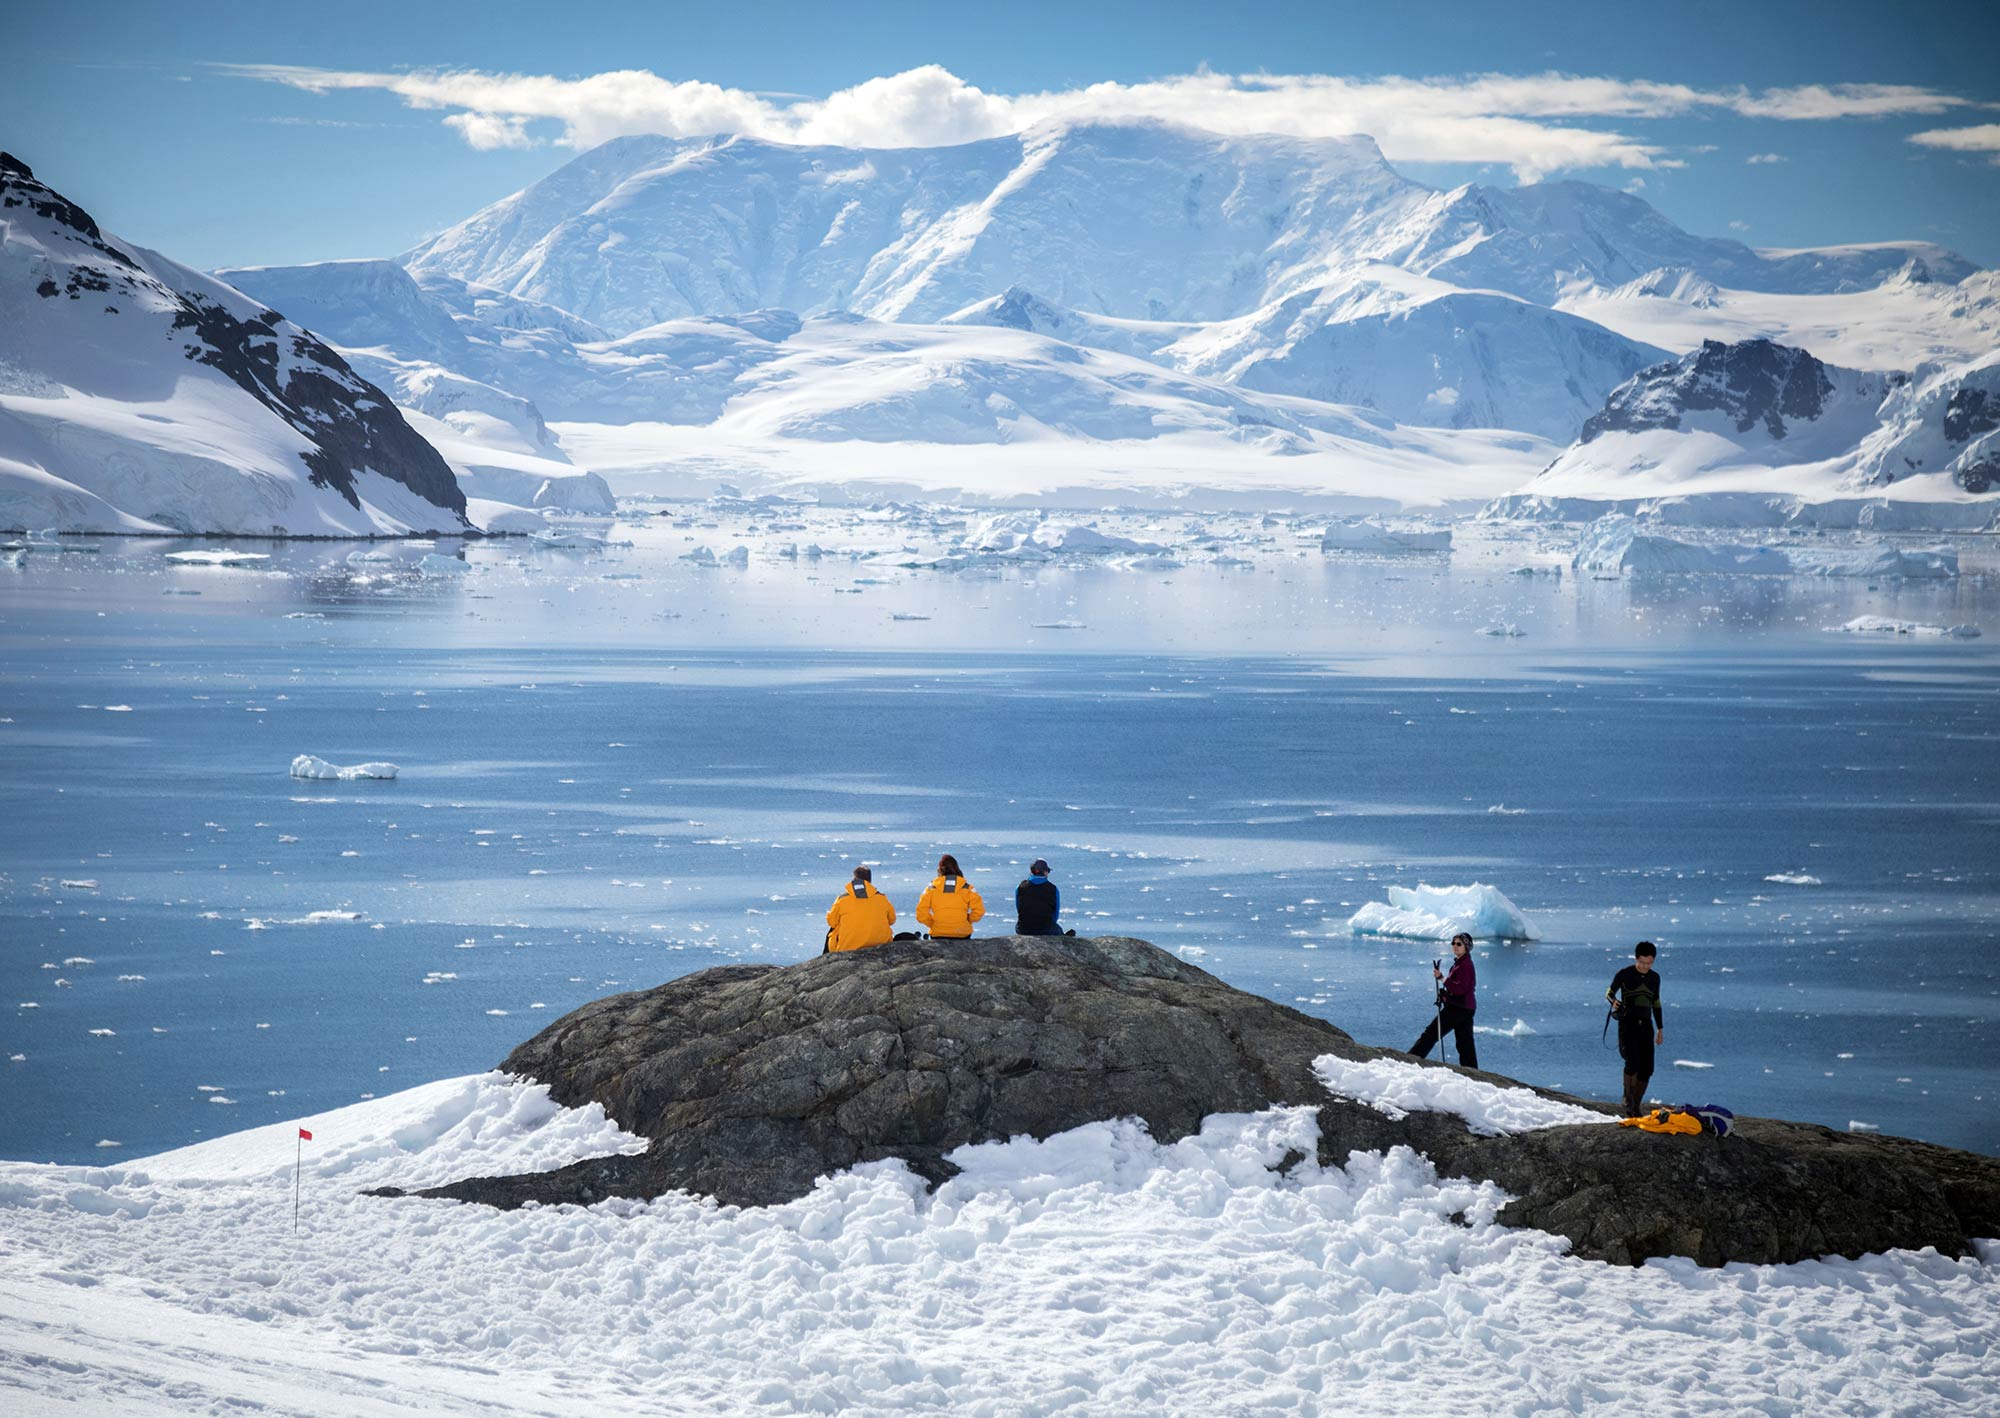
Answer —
1038 868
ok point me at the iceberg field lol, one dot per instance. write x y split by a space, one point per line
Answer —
1441 912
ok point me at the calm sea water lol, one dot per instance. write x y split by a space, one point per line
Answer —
619 767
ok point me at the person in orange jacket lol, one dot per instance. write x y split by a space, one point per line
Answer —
860 916
949 907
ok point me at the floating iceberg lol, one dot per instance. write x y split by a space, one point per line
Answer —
307 766
1384 538
435 565
1615 545
217 558
1884 625
1441 912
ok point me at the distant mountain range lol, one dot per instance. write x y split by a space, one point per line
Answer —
1123 284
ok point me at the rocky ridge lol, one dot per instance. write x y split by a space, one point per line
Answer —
753 1081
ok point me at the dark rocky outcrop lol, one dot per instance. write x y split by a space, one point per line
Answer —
1751 382
752 1081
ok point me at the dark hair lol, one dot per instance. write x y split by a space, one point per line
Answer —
1465 936
948 866
863 874
1645 947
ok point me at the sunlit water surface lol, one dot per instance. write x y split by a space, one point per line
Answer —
619 767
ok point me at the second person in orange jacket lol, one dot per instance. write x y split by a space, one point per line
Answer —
949 907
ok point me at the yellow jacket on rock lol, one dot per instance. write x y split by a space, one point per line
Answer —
949 908
860 916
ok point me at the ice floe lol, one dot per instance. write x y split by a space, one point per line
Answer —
308 766
1441 912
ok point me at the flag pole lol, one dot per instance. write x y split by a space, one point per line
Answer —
298 1160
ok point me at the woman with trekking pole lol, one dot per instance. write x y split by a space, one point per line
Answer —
1455 1004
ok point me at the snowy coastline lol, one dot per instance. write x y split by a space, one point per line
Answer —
177 1283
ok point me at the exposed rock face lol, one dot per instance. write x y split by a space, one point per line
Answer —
752 1081
1752 382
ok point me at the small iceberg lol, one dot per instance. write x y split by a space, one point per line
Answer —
307 766
1441 912
1371 534
1885 625
435 565
217 558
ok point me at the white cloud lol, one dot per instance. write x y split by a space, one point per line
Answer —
1535 124
1739 226
1984 138
1756 158
1636 185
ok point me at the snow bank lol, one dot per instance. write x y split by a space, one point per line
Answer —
307 766
1441 912
1096 1271
1398 1087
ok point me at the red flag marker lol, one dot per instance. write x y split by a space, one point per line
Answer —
298 1161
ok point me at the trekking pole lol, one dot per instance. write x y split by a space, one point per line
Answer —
1437 1003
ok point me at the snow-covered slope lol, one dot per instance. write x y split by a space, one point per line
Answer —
138 395
1423 352
1140 219
1549 239
1910 319
1760 418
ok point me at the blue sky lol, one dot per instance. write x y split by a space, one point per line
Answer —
264 133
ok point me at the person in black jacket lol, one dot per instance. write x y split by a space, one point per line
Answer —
1634 997
1037 903
1457 1001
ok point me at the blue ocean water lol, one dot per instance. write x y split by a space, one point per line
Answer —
618 768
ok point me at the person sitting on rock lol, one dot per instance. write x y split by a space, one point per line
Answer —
1457 1003
949 907
860 916
1037 903
1634 997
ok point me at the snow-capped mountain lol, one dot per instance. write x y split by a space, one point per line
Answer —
1138 220
1757 417
1742 391
138 395
1423 352
1549 239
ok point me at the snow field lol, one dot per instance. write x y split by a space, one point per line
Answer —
1095 1272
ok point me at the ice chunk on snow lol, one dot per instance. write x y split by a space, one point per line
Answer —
1398 1087
1391 539
307 766
1441 912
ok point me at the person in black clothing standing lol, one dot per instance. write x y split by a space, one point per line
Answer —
1037 903
1634 997
1456 1005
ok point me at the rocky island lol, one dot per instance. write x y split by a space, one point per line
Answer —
753 1081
